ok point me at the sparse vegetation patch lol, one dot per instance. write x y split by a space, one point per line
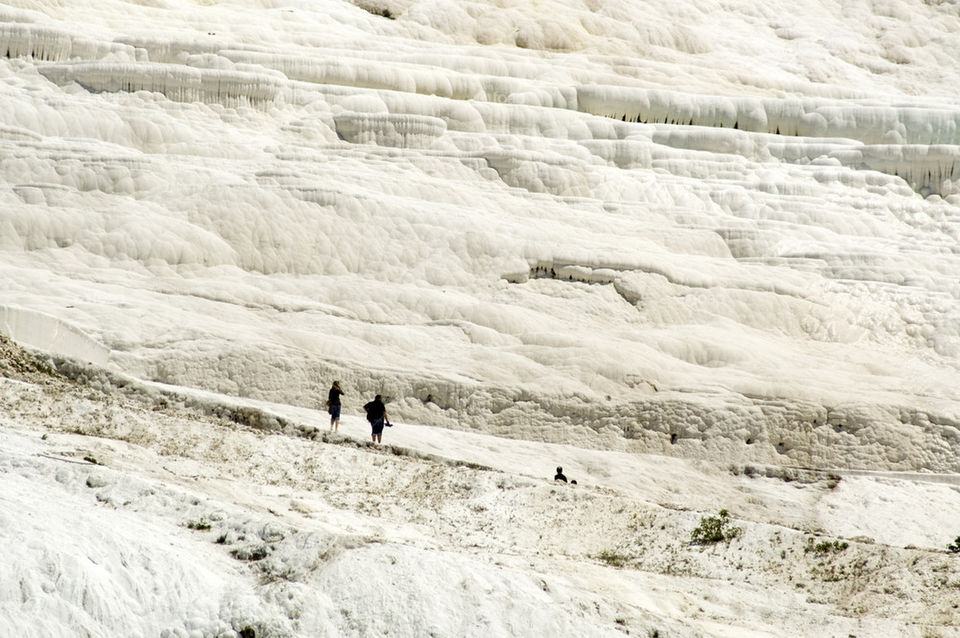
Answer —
714 529
613 558
258 552
825 547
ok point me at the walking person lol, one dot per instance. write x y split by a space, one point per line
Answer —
333 406
377 416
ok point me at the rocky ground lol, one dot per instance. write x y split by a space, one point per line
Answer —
299 509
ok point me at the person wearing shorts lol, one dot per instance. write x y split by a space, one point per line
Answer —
377 416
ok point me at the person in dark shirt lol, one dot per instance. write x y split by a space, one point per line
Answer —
377 416
333 405
560 476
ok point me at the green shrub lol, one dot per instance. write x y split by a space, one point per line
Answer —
713 529
825 547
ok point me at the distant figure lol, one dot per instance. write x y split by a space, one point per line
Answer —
333 405
377 416
560 476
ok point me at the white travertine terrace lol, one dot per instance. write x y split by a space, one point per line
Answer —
704 254
532 221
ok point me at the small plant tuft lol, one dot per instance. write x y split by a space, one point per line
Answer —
954 547
200 526
713 529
